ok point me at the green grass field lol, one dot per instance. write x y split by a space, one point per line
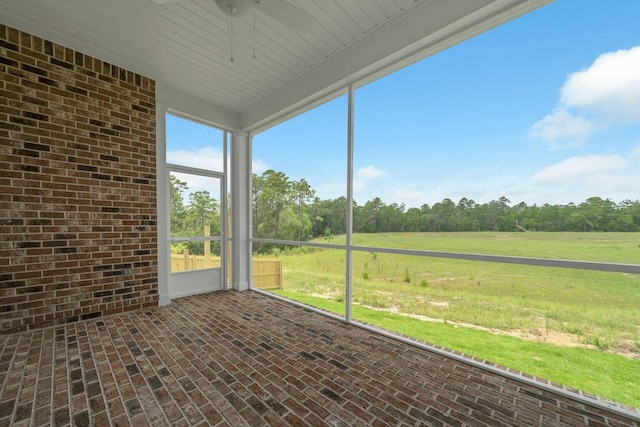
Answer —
573 324
605 247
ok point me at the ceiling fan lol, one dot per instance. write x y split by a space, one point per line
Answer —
239 13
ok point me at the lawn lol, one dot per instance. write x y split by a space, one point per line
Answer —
621 248
591 317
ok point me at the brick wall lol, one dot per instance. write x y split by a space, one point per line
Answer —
77 186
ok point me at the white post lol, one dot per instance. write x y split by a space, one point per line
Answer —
162 193
240 210
349 231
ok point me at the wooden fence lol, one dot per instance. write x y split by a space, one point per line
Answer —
188 262
267 273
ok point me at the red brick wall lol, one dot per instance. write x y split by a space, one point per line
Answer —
77 186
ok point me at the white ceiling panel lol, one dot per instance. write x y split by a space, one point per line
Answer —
185 45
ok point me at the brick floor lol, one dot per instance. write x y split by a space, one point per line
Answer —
245 359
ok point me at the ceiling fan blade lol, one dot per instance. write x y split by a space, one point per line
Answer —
290 15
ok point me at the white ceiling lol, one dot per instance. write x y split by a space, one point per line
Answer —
184 45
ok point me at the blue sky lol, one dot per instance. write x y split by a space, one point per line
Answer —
544 109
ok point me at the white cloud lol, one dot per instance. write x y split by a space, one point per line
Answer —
561 125
209 159
609 87
365 174
198 183
204 158
258 166
608 92
408 196
610 181
369 172
584 167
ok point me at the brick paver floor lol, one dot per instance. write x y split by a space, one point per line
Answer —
245 359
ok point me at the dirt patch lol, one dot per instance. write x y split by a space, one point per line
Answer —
439 303
560 339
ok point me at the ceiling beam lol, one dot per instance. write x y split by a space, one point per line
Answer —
195 108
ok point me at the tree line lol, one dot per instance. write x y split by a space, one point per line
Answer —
287 209
290 210
200 211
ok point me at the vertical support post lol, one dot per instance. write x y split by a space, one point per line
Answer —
349 236
241 209
280 286
207 246
162 194
228 253
186 259
225 217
